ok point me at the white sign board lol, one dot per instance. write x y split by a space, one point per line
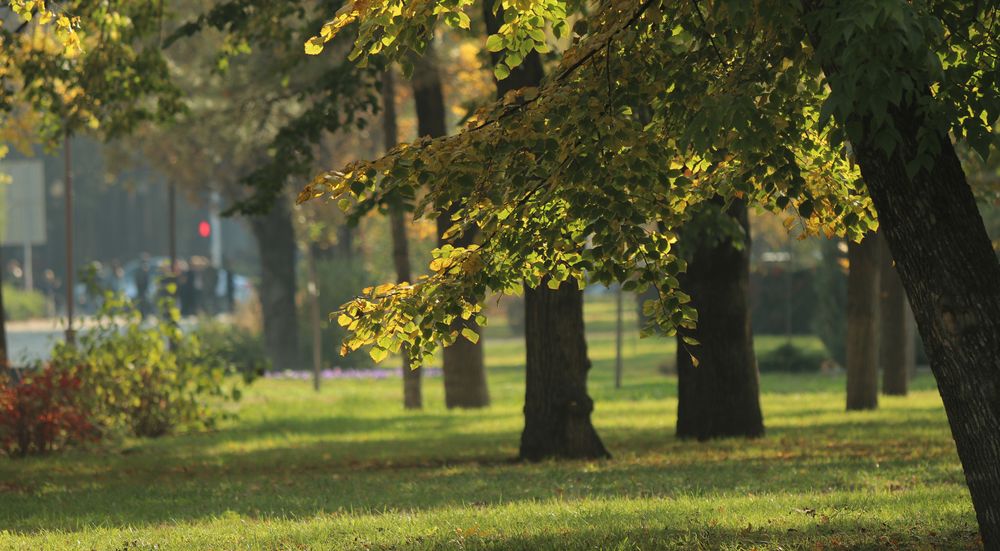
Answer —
24 202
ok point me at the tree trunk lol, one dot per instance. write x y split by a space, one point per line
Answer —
952 277
556 405
412 398
276 245
5 366
862 323
897 354
951 274
464 370
721 396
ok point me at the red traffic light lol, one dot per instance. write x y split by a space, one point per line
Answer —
204 229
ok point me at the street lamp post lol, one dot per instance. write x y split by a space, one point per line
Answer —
70 299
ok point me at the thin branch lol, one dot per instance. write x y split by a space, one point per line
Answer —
711 40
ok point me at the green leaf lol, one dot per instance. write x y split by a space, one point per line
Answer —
806 208
470 334
494 43
501 71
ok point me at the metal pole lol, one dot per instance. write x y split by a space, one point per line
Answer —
29 276
788 298
317 335
70 298
172 226
216 235
618 339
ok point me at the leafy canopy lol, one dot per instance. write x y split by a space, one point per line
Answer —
81 66
659 107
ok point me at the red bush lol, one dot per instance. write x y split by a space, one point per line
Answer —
42 413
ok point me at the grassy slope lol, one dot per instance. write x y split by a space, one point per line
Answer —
347 468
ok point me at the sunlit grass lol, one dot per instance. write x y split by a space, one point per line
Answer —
348 468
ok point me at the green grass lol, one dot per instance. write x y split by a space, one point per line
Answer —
349 469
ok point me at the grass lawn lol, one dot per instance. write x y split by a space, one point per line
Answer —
347 468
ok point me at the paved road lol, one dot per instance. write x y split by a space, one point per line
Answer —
32 340
28 341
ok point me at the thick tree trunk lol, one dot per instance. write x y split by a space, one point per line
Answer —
464 371
862 323
951 275
412 397
897 354
556 405
721 396
276 245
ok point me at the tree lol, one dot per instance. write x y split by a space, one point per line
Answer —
863 323
720 395
557 407
412 397
750 101
4 356
462 363
265 109
897 349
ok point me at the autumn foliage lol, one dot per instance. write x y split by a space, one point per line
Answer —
43 412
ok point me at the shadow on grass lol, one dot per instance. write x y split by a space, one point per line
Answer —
160 484
861 536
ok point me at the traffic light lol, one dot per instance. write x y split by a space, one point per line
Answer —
204 229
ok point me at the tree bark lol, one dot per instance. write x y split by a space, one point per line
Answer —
897 354
862 323
5 366
721 396
949 271
951 274
556 405
464 371
412 396
276 244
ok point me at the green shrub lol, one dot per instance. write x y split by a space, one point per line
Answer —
790 359
234 346
19 304
145 379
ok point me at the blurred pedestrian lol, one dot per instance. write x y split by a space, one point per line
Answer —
186 291
209 291
51 288
15 275
230 291
142 277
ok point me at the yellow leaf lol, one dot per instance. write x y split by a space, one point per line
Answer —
378 354
471 335
314 45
